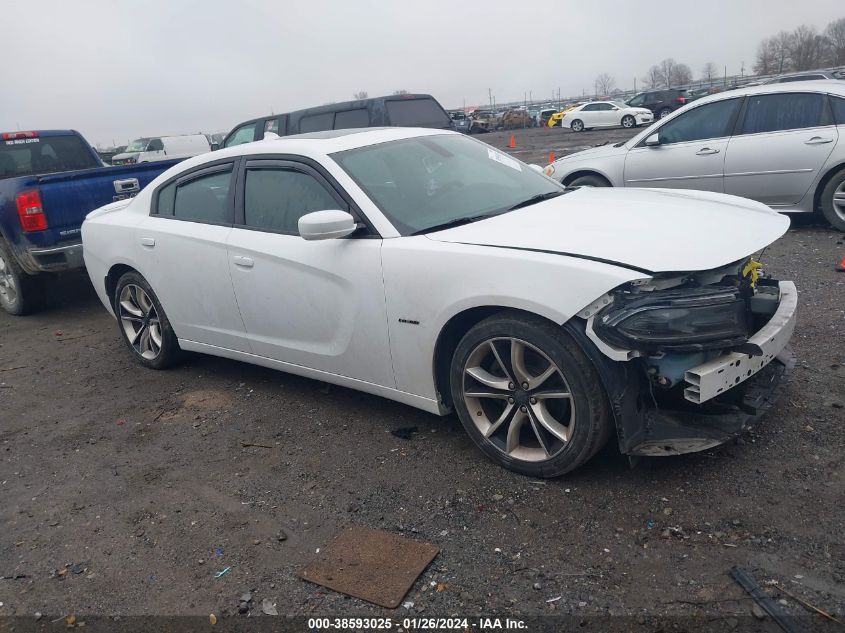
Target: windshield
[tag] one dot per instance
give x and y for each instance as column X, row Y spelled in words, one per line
column 138, row 145
column 424, row 182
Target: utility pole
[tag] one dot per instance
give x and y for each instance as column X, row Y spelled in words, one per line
column 635, row 85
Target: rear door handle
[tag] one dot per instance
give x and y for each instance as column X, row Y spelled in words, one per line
column 243, row 262
column 148, row 241
column 706, row 151
column 818, row 140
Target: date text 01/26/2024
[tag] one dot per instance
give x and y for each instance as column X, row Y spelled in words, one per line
column 417, row 624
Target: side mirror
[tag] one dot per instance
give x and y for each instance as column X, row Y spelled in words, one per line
column 215, row 147
column 326, row 225
column 653, row 140
column 536, row 168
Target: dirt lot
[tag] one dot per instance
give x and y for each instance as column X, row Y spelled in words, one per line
column 142, row 480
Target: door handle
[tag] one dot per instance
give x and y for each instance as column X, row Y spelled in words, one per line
column 148, row 241
column 243, row 262
column 706, row 151
column 818, row 140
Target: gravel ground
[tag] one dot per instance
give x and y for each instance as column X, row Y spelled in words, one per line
column 142, row 480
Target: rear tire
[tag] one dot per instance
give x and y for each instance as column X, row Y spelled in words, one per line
column 143, row 325
column 664, row 113
column 577, row 125
column 541, row 410
column 833, row 200
column 20, row 293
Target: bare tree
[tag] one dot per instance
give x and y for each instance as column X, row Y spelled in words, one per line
column 605, row 84
column 653, row 78
column 681, row 75
column 835, row 34
column 765, row 63
column 709, row 72
column 362, row 94
column 667, row 70
column 806, row 48
column 781, row 45
column 401, row 91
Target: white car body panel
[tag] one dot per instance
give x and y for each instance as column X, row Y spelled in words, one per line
column 780, row 169
column 367, row 313
column 606, row 118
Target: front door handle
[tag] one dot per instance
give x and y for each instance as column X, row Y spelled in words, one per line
column 148, row 242
column 243, row 262
column 706, row 151
column 818, row 140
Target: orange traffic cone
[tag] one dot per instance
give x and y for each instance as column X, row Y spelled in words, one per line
column 841, row 267
column 512, row 142
column 551, row 157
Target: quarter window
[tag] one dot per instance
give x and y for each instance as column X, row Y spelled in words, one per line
column 784, row 111
column 316, row 122
column 352, row 119
column 203, row 199
column 275, row 199
column 713, row 120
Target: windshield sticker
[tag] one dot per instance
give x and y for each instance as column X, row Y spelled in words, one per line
column 504, row 160
column 23, row 141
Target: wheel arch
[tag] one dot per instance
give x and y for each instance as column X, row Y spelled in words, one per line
column 817, row 195
column 585, row 172
column 451, row 334
column 113, row 275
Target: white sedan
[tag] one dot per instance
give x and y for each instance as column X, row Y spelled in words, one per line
column 605, row 114
column 427, row 267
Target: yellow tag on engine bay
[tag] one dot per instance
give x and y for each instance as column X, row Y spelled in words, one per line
column 752, row 271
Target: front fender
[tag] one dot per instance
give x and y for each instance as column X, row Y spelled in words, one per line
column 611, row 168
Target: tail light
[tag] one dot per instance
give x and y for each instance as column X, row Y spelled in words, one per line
column 681, row 99
column 30, row 211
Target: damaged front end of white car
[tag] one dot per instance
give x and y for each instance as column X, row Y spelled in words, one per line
column 690, row 361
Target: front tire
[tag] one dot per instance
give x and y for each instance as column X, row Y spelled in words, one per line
column 589, row 180
column 577, row 125
column 527, row 395
column 144, row 326
column 833, row 200
column 628, row 121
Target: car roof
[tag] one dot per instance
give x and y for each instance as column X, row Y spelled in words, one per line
column 832, row 86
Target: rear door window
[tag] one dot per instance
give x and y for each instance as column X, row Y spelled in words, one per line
column 44, row 155
column 416, row 113
column 783, row 111
column 713, row 120
column 203, row 197
column 316, row 122
column 352, row 119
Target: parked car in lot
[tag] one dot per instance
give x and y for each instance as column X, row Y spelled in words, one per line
column 460, row 121
column 430, row 268
column 483, row 121
column 555, row 119
column 49, row 181
column 781, row 144
column 410, row 110
column 597, row 114
column 813, row 76
column 145, row 150
column 662, row 103
column 514, row 119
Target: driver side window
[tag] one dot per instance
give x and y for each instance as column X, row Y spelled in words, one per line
column 713, row 120
column 155, row 145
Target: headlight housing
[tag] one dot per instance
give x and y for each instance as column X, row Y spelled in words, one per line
column 684, row 320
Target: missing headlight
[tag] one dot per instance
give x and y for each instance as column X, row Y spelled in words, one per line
column 682, row 320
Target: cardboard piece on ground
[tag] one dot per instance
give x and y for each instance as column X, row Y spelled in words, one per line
column 373, row 565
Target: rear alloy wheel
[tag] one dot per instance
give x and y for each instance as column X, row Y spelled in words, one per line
column 664, row 113
column 19, row 293
column 833, row 200
column 528, row 396
column 143, row 324
column 577, row 125
column 628, row 121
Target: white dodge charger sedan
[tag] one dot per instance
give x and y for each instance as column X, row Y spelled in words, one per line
column 427, row 267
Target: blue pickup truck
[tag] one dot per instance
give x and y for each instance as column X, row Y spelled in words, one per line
column 49, row 181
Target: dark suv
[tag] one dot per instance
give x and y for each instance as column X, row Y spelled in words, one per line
column 409, row 110
column 661, row 102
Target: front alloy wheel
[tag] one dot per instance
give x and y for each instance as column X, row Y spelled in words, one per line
column 577, row 126
column 528, row 396
column 522, row 402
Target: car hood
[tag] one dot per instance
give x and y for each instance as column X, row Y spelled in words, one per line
column 652, row 230
column 593, row 152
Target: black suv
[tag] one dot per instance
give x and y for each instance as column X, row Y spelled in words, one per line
column 410, row 110
column 660, row 102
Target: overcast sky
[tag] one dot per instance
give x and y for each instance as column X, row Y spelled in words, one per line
column 116, row 70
